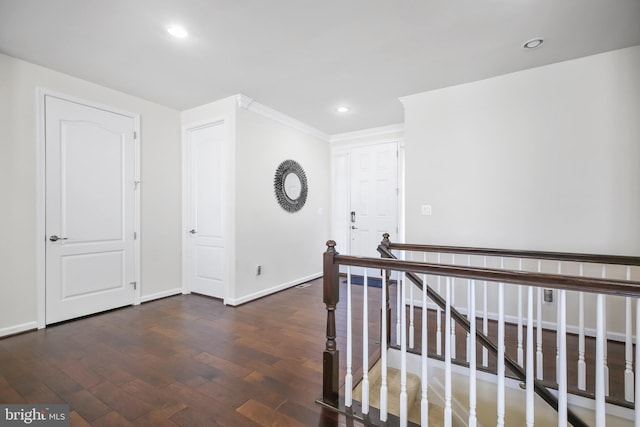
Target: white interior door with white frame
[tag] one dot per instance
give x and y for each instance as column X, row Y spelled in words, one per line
column 370, row 174
column 205, row 240
column 91, row 213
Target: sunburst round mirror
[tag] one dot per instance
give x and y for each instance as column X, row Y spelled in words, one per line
column 290, row 184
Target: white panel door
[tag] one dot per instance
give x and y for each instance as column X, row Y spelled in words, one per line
column 90, row 209
column 374, row 198
column 205, row 242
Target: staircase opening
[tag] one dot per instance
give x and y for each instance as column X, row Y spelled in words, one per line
column 518, row 361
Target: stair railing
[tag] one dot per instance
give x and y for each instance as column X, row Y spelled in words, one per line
column 600, row 265
column 410, row 271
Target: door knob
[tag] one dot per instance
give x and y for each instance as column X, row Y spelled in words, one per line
column 192, row 231
column 353, row 227
column 55, row 238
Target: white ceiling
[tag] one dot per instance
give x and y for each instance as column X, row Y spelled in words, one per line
column 303, row 57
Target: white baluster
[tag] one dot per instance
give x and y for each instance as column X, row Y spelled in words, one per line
column 520, row 348
column 470, row 313
column 439, row 321
column 399, row 307
column 557, row 332
column 637, row 408
column 383, row 352
column 606, row 338
column 485, row 319
column 365, row 345
column 403, row 359
column 530, row 370
column 628, row 349
column 600, row 376
column 348, row 379
column 453, row 304
column 447, row 357
column 582, row 365
column 501, row 369
column 472, row 355
column 539, row 359
column 467, row 346
column 562, row 366
column 424, row 401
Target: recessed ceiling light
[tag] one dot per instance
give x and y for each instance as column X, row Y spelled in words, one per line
column 342, row 109
column 533, row 43
column 177, row 31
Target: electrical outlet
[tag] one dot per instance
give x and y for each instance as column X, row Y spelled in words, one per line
column 258, row 270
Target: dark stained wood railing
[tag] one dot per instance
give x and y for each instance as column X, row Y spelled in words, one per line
column 552, row 281
column 332, row 261
column 513, row 253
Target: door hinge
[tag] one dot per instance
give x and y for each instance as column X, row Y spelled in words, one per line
column 135, row 235
column 135, row 135
column 135, row 185
column 135, row 285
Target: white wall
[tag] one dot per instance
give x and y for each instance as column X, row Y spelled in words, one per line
column 547, row 158
column 160, row 188
column 289, row 246
column 543, row 159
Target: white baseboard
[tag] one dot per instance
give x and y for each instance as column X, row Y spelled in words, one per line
column 163, row 294
column 265, row 292
column 16, row 329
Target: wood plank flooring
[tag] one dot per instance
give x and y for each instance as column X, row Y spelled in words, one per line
column 186, row 360
column 190, row 361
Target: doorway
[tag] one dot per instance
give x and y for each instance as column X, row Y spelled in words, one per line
column 366, row 198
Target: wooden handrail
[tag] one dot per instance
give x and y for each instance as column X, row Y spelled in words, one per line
column 511, row 253
column 549, row 281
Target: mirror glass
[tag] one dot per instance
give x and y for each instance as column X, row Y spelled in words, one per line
column 292, row 186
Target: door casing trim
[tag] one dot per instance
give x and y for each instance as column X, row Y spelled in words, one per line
column 41, row 185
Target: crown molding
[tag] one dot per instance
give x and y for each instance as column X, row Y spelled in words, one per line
column 368, row 133
column 251, row 104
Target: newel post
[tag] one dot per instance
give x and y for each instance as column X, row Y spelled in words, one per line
column 387, row 243
column 330, row 356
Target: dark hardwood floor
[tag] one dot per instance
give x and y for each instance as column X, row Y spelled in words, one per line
column 190, row 361
column 185, row 360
